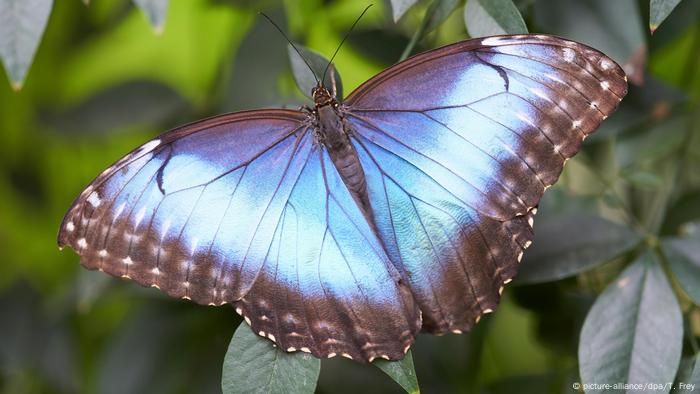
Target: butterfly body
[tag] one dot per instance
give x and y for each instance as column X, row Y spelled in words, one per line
column 333, row 133
column 346, row 229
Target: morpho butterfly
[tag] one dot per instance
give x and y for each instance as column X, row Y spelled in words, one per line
column 347, row 228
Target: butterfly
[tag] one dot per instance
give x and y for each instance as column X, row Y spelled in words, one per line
column 347, row 228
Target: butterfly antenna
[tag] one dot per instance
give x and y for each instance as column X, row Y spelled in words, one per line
column 293, row 46
column 341, row 42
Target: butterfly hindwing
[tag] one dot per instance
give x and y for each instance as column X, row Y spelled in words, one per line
column 459, row 144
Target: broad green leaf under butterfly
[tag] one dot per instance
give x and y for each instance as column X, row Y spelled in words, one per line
column 659, row 10
column 566, row 245
column 155, row 10
column 22, row 23
column 634, row 331
column 254, row 365
column 399, row 7
column 493, row 17
column 683, row 255
column 403, row 372
column 305, row 78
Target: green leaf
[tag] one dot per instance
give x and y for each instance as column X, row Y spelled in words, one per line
column 438, row 12
column 254, row 365
column 155, row 11
column 634, row 331
column 257, row 69
column 493, row 17
column 684, row 258
column 402, row 371
column 399, row 7
column 305, row 78
column 22, row 23
column 659, row 10
column 688, row 378
column 565, row 245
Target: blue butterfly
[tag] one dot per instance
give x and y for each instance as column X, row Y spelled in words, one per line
column 347, row 228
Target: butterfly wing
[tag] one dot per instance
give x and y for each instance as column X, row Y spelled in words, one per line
column 458, row 145
column 246, row 209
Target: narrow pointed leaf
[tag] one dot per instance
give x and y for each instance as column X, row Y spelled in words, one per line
column 634, row 331
column 22, row 23
column 684, row 258
column 566, row 245
column 493, row 17
column 155, row 11
column 438, row 11
column 305, row 78
column 403, row 372
column 659, row 10
column 399, row 7
column 254, row 365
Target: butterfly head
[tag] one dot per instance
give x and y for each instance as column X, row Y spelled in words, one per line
column 322, row 97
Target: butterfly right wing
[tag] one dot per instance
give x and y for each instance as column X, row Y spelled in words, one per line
column 458, row 145
column 246, row 209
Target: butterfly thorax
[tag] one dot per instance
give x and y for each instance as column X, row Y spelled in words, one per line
column 333, row 132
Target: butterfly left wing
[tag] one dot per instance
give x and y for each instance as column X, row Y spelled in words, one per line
column 458, row 144
column 247, row 209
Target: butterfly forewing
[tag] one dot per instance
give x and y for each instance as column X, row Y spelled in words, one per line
column 458, row 145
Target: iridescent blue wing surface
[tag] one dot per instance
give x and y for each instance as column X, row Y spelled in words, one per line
column 246, row 209
column 458, row 145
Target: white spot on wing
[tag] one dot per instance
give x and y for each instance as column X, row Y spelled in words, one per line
column 569, row 54
column 82, row 243
column 94, row 199
column 70, row 226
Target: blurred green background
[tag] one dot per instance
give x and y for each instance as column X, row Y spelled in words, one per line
column 103, row 82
